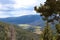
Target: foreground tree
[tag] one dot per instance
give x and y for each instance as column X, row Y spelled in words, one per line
column 58, row 31
column 50, row 11
column 47, row 33
column 47, row 10
column 57, row 18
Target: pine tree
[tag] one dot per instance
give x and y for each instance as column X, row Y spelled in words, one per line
column 58, row 31
column 46, row 11
column 50, row 12
column 47, row 33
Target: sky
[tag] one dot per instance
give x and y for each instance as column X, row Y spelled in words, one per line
column 15, row 8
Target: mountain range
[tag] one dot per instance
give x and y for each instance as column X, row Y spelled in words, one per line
column 7, row 29
column 35, row 20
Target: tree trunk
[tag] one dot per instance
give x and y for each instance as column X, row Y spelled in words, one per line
column 47, row 34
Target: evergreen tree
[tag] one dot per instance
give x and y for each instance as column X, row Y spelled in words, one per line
column 46, row 11
column 50, row 12
column 47, row 33
column 57, row 18
column 58, row 31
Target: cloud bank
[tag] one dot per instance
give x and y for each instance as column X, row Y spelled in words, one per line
column 15, row 8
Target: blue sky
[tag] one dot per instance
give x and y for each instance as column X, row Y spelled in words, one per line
column 15, row 8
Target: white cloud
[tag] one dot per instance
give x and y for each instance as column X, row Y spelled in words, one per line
column 23, row 12
column 16, row 11
column 2, row 15
column 25, row 3
column 0, row 6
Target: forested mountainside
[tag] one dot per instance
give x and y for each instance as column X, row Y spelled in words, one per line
column 13, row 32
column 27, row 19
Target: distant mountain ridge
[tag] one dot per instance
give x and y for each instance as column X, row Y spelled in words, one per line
column 27, row 19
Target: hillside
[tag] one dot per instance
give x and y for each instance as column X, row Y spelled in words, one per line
column 13, row 32
column 34, row 29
